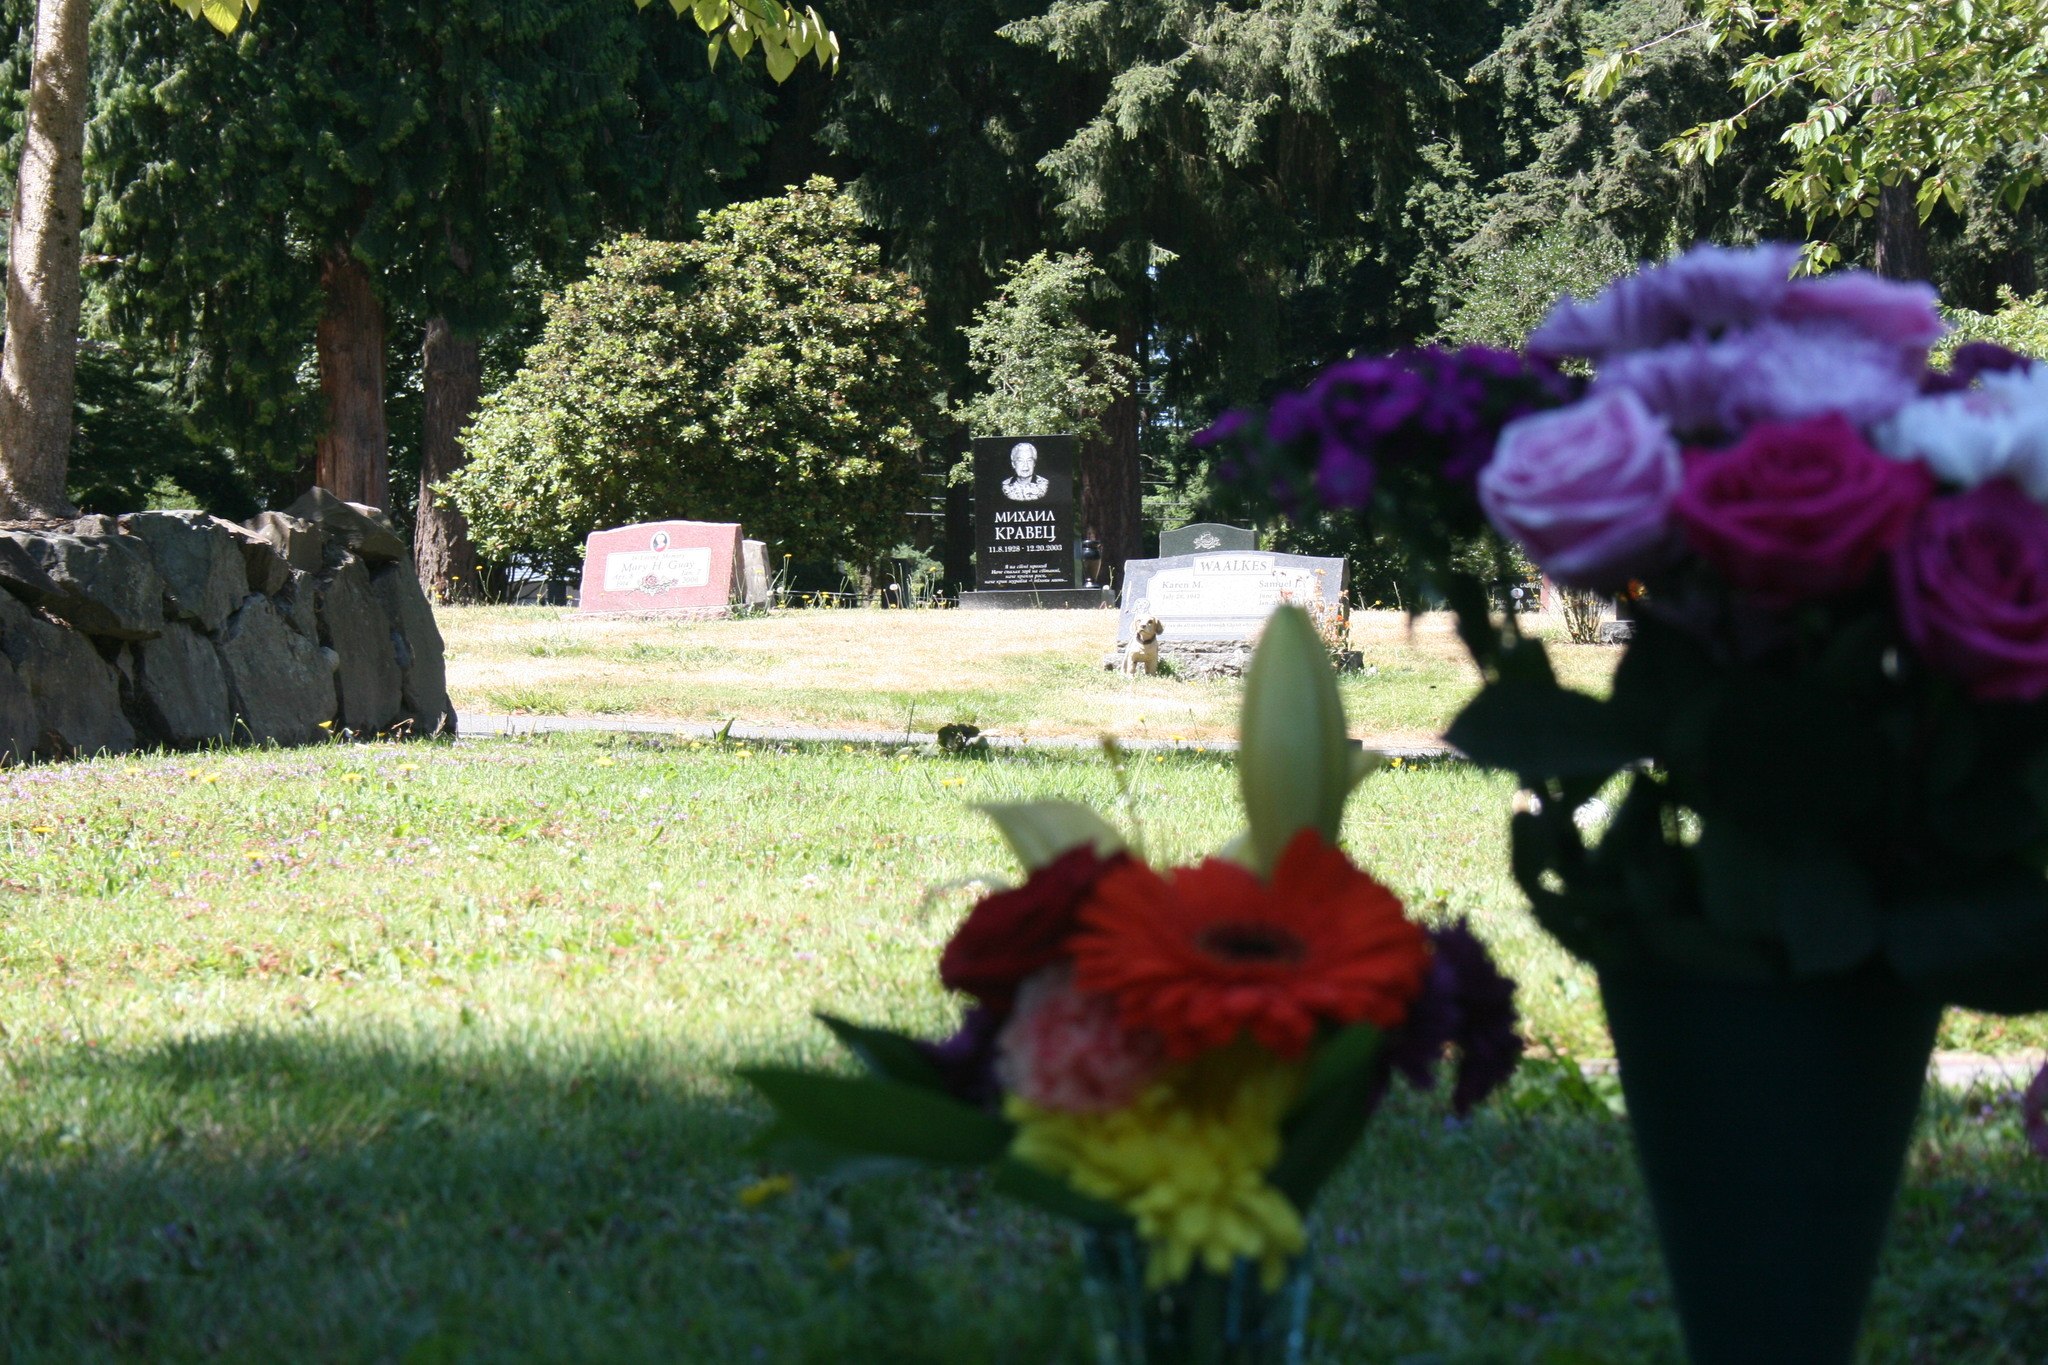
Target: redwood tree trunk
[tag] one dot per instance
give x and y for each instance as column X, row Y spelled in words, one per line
column 39, row 372
column 452, row 369
column 1901, row 241
column 352, row 459
column 1112, row 494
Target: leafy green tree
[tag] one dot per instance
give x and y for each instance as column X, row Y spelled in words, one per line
column 1907, row 104
column 402, row 162
column 771, row 372
column 1044, row 369
column 1504, row 290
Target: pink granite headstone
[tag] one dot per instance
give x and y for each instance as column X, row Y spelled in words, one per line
column 683, row 566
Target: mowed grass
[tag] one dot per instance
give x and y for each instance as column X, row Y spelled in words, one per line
column 421, row 1053
column 1032, row 674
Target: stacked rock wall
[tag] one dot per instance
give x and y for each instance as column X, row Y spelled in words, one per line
column 181, row 629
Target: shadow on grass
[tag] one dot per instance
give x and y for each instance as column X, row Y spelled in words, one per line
column 303, row 1196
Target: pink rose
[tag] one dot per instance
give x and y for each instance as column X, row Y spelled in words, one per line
column 1065, row 1050
column 1586, row 489
column 1798, row 511
column 1972, row 580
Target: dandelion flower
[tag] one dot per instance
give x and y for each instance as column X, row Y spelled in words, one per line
column 766, row 1189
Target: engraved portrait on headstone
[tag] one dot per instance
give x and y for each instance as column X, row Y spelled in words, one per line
column 1027, row 484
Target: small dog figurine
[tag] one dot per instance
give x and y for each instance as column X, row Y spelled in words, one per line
column 1141, row 655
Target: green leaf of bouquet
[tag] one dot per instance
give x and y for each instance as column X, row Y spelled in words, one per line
column 881, row 1117
column 1981, row 943
column 1319, row 1134
column 1040, row 831
column 1294, row 765
column 892, row 1056
column 1029, row 1185
column 1342, row 1055
column 1540, row 731
column 804, row 1156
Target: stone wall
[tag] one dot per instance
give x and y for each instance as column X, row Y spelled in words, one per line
column 182, row 630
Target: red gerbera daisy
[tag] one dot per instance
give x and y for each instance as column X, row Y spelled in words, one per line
column 1206, row 953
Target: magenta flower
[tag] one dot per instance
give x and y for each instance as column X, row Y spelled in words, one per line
column 1587, row 489
column 1972, row 584
column 1797, row 512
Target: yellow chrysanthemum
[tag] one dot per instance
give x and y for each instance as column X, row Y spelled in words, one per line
column 1187, row 1160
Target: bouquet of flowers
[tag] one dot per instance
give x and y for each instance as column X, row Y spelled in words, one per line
column 1829, row 734
column 1178, row 1059
column 1840, row 565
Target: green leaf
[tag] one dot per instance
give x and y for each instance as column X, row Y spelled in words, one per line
column 1294, row 763
column 1040, row 831
column 1338, row 1059
column 880, row 1117
column 891, row 1056
column 779, row 59
column 1542, row 731
column 1029, row 1185
column 1981, row 943
column 825, row 1163
column 1320, row 1133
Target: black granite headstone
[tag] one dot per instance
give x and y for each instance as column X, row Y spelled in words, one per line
column 1023, row 513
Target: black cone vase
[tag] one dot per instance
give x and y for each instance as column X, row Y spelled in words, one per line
column 1771, row 1124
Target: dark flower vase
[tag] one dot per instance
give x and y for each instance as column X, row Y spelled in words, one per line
column 1206, row 1319
column 1771, row 1124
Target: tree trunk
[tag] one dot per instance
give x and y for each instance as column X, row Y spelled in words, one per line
column 1112, row 494
column 1901, row 241
column 39, row 372
column 453, row 379
column 352, row 459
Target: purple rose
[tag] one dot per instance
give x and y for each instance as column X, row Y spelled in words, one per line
column 1773, row 373
column 1586, row 489
column 1972, row 579
column 1798, row 511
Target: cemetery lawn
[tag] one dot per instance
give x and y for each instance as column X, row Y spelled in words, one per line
column 419, row 1053
column 1030, row 674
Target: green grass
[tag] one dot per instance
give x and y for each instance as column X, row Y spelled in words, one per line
column 419, row 1053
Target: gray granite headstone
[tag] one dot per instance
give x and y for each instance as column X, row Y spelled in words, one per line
column 1205, row 537
column 754, row 572
column 1223, row 595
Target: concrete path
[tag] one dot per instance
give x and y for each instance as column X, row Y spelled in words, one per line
column 483, row 723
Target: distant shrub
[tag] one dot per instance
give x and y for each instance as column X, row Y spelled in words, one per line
column 2019, row 324
column 770, row 373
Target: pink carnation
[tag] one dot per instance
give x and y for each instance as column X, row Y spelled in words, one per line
column 1065, row 1050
